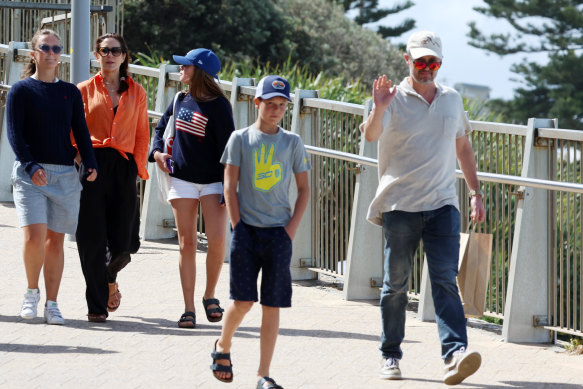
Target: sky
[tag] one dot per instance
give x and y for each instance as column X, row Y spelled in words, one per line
column 463, row 63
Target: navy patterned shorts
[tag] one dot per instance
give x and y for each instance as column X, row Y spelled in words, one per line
column 269, row 250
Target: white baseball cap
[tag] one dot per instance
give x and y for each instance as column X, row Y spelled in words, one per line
column 424, row 43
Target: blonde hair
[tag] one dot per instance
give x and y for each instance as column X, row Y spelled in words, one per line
column 30, row 68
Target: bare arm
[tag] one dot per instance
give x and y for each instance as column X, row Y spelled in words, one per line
column 231, row 180
column 160, row 159
column 382, row 96
column 466, row 159
column 301, row 204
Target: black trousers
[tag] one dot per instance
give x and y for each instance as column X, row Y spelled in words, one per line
column 107, row 232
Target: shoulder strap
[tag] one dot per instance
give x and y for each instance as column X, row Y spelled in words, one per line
column 173, row 129
column 175, row 100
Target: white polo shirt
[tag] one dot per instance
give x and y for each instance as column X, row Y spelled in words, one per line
column 417, row 152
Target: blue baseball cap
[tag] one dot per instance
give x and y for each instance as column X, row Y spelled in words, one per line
column 202, row 58
column 273, row 86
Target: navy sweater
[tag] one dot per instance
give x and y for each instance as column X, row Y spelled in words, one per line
column 40, row 116
column 202, row 131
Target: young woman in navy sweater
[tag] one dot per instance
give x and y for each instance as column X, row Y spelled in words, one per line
column 204, row 122
column 41, row 111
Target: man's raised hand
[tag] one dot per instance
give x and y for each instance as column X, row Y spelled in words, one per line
column 382, row 93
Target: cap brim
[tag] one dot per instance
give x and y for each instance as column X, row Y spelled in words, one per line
column 180, row 60
column 268, row 96
column 422, row 52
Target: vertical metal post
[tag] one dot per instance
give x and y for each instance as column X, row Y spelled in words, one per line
column 14, row 67
column 365, row 252
column 527, row 293
column 111, row 24
column 79, row 41
column 302, row 121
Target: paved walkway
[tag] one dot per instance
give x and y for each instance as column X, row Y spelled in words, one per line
column 324, row 342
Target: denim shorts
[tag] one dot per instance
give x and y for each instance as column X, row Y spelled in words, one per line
column 269, row 250
column 56, row 204
column 180, row 189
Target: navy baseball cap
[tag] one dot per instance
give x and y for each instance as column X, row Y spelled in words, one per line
column 273, row 86
column 202, row 58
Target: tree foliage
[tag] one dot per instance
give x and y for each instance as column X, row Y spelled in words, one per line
column 231, row 28
column 324, row 39
column 313, row 33
column 553, row 90
column 369, row 12
column 555, row 25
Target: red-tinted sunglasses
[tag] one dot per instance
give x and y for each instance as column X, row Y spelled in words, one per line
column 420, row 65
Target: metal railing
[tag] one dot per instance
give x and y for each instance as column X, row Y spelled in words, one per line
column 19, row 20
column 499, row 149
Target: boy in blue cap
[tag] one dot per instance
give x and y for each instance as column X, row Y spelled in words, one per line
column 261, row 159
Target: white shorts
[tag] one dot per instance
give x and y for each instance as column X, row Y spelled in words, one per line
column 180, row 189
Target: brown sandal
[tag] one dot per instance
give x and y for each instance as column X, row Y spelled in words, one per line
column 114, row 297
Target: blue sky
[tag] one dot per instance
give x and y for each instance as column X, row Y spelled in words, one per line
column 462, row 62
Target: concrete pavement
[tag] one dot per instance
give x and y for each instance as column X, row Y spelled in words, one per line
column 324, row 342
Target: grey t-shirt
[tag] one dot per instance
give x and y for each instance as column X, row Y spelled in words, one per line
column 266, row 166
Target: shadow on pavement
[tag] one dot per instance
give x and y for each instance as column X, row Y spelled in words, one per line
column 553, row 385
column 51, row 349
column 158, row 326
column 506, row 384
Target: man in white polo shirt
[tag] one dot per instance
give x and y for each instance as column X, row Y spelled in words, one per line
column 421, row 128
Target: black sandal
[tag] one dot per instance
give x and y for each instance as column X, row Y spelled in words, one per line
column 216, row 367
column 187, row 320
column 271, row 384
column 210, row 311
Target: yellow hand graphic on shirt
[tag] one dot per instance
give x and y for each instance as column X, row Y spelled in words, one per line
column 266, row 173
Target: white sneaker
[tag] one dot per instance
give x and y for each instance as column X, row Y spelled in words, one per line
column 461, row 365
column 52, row 313
column 30, row 303
column 390, row 369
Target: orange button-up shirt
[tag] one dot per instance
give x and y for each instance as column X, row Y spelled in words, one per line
column 128, row 130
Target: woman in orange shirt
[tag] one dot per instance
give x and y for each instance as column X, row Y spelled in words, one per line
column 116, row 111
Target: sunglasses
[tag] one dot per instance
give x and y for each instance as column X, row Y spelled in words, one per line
column 115, row 51
column 420, row 65
column 47, row 49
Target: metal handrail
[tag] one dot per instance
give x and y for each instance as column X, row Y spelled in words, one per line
column 342, row 155
column 482, row 176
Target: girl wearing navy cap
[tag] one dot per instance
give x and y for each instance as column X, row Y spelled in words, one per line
column 204, row 122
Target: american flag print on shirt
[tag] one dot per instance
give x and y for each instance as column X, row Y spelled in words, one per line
column 191, row 122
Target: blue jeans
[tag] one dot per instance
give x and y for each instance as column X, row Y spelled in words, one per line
column 440, row 231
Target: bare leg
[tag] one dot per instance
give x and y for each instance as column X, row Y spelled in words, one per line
column 185, row 213
column 233, row 317
column 215, row 219
column 54, row 263
column 268, row 334
column 33, row 252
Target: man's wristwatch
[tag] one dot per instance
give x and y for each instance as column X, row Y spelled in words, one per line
column 476, row 193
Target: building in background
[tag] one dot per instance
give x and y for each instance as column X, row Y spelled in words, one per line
column 473, row 91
